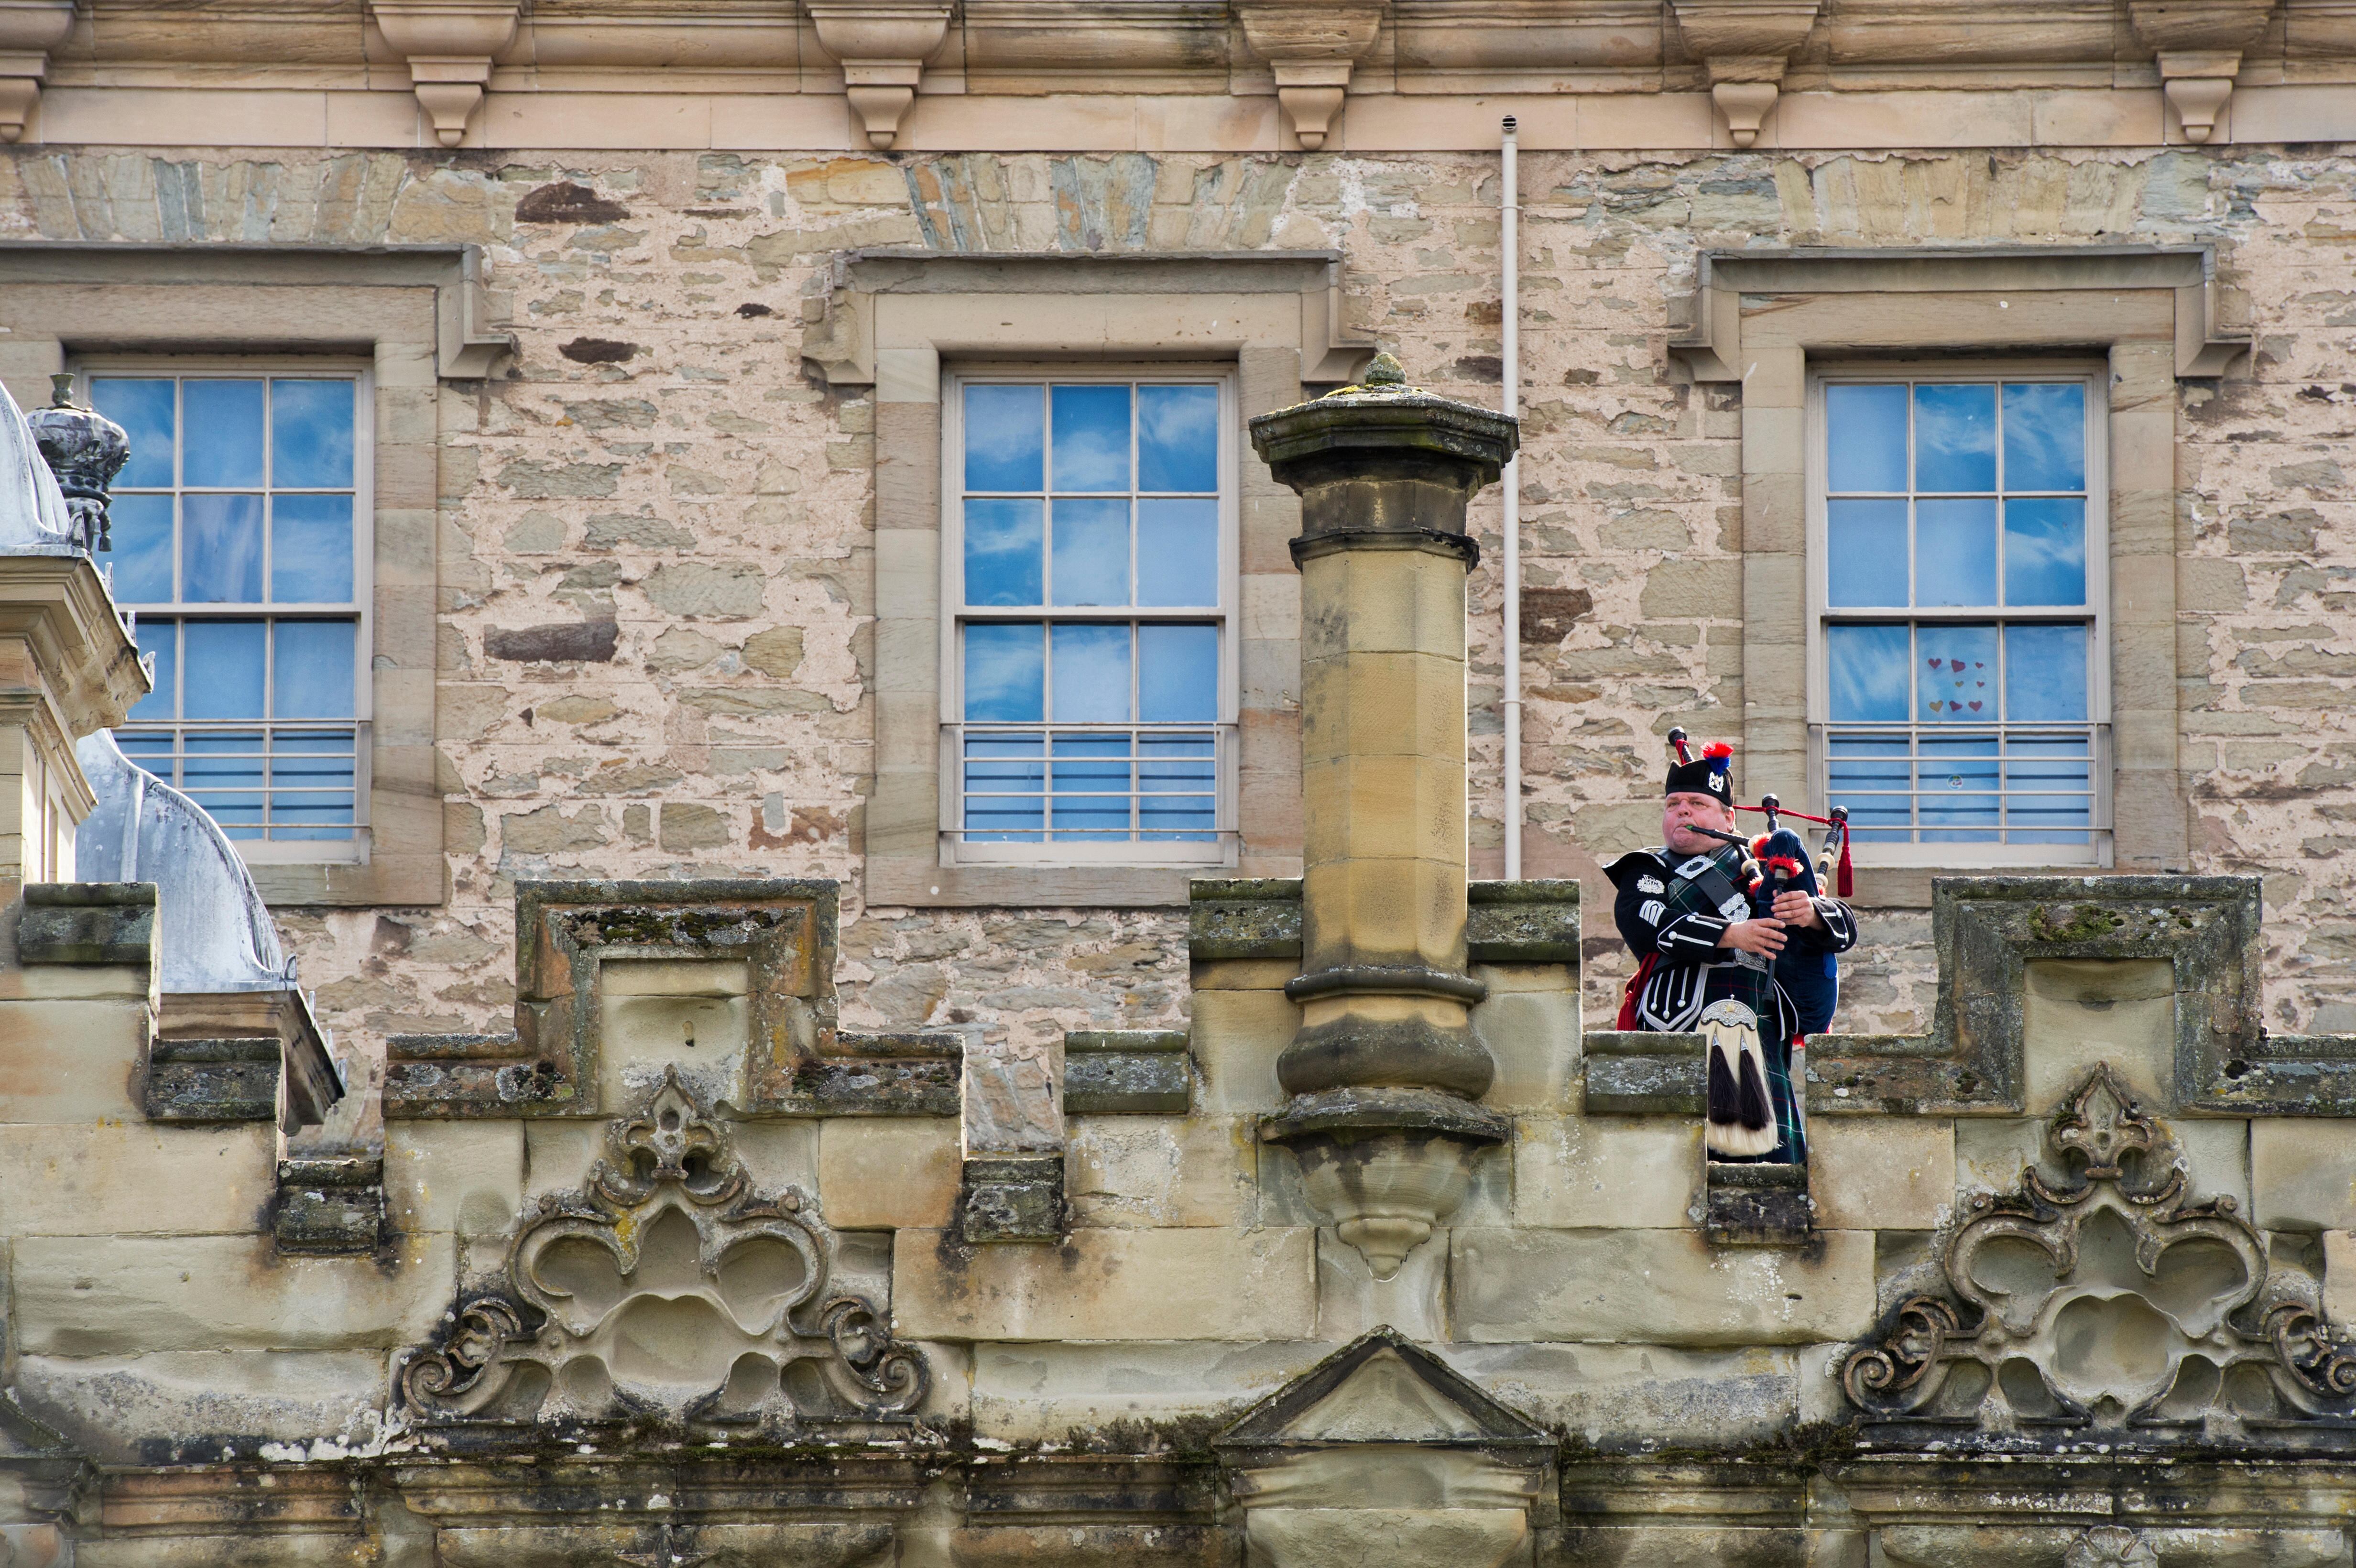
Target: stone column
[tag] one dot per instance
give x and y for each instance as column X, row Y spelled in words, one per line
column 1385, row 1068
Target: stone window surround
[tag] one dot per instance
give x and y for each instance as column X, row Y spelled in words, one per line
column 412, row 313
column 1761, row 318
column 893, row 320
column 2094, row 376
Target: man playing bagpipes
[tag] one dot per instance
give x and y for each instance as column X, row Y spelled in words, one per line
column 1734, row 939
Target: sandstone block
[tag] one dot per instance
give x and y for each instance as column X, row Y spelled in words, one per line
column 1162, row 1171
column 1192, row 1284
column 1661, row 1287
column 1237, row 1038
column 1607, row 1171
column 1881, row 1173
column 2081, row 1011
column 2303, row 1174
column 887, row 1172
column 132, row 1178
column 71, row 1061
column 463, row 1176
column 1031, row 1392
column 325, row 1395
column 99, row 1296
column 1604, row 1393
column 1530, row 1024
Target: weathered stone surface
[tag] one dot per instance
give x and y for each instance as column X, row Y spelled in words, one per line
column 333, row 1399
column 887, row 1173
column 588, row 642
column 125, row 1178
column 1624, row 1395
column 1524, row 921
column 199, row 1081
column 1191, row 1283
column 1162, row 1170
column 99, row 1296
column 327, row 1206
column 1529, row 1022
column 1757, row 1205
column 466, row 1178
column 1010, row 1198
column 1237, row 1038
column 1636, row 1073
column 71, row 1061
column 1659, row 1288
column 1244, row 919
column 1029, row 1392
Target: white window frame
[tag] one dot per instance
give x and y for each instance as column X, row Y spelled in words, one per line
column 2095, row 376
column 294, row 851
column 1220, row 849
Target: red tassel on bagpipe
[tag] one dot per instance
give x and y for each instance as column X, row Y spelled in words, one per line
column 1844, row 884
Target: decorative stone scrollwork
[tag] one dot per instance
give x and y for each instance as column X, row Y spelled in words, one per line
column 667, row 1289
column 2115, row 1303
column 2110, row 1546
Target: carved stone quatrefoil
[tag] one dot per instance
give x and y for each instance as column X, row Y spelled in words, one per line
column 667, row 1288
column 2114, row 1302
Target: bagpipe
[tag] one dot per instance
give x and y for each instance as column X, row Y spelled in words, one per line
column 1777, row 861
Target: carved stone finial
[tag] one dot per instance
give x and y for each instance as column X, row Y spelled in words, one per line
column 1385, row 371
column 85, row 450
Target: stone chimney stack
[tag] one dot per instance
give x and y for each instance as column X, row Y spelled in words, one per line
column 1385, row 1071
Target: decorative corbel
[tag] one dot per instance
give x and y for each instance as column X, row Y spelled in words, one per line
column 1745, row 45
column 883, row 48
column 1310, row 49
column 448, row 44
column 29, row 29
column 2198, row 44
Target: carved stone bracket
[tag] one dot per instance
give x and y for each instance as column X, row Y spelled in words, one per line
column 2198, row 44
column 449, row 45
column 29, row 29
column 883, row 47
column 1310, row 49
column 1745, row 45
column 2113, row 1302
column 667, row 1288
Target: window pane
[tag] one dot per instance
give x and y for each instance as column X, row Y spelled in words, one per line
column 1178, row 673
column 1006, row 672
column 1092, row 675
column 2048, row 790
column 223, row 771
column 311, row 435
column 141, row 526
column 220, row 549
column 1958, row 780
column 1178, row 777
column 2045, row 437
column 1873, row 777
column 311, row 549
column 1865, row 666
column 1955, row 438
column 1003, row 539
column 1954, row 553
column 1005, row 437
column 2045, row 552
column 1178, row 551
column 1956, row 675
column 1092, row 429
column 2044, row 672
column 224, row 670
column 224, row 445
column 161, row 638
column 311, row 669
column 1178, row 437
column 1865, row 438
column 1091, row 552
column 1864, row 552
column 1092, row 787
column 143, row 410
column 1005, row 780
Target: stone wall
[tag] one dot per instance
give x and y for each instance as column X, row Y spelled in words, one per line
column 658, row 457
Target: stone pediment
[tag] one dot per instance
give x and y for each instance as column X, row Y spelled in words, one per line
column 1381, row 1389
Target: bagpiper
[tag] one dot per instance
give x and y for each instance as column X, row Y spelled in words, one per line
column 1734, row 939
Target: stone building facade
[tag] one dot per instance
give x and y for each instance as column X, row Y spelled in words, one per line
column 655, row 328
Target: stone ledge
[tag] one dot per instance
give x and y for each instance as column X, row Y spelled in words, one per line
column 1534, row 920
column 1525, row 921
column 1012, row 1198
column 902, row 1074
column 202, row 1080
column 1633, row 1073
column 1748, row 1205
column 327, row 1206
column 86, row 922
column 1127, row 1073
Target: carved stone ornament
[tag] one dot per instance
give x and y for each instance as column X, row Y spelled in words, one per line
column 2117, row 1303
column 85, row 450
column 667, row 1289
column 2110, row 1546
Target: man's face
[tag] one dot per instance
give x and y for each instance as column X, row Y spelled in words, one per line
column 1681, row 813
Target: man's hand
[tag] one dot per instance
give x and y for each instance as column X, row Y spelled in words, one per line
column 1793, row 907
column 1764, row 937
